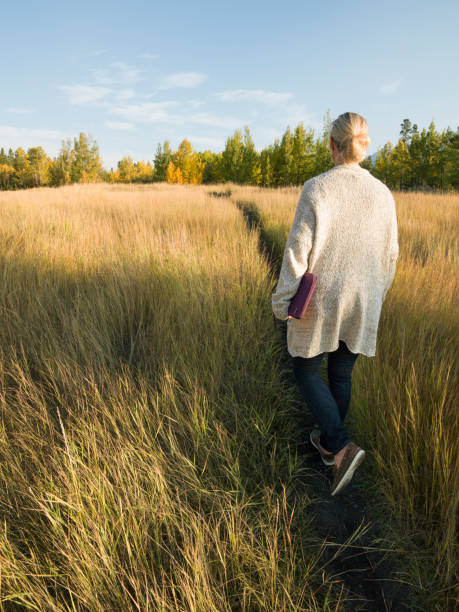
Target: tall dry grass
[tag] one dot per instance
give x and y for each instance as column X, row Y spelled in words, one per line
column 404, row 406
column 145, row 458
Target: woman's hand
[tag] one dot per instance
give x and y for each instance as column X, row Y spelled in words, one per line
column 275, row 320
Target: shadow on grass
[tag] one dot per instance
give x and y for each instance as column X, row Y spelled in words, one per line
column 118, row 351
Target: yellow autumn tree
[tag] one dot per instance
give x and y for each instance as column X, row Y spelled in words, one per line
column 6, row 172
column 145, row 172
column 173, row 174
column 113, row 176
column 127, row 172
column 187, row 160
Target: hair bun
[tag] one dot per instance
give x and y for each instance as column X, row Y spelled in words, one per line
column 350, row 133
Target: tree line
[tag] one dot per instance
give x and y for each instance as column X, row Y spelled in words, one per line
column 426, row 159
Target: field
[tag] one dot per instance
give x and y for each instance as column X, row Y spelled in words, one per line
column 149, row 444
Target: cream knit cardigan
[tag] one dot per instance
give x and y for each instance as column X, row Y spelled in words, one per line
column 345, row 231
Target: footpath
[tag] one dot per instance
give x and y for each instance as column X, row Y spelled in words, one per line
column 350, row 536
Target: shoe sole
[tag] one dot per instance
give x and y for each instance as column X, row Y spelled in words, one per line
column 359, row 457
column 327, row 462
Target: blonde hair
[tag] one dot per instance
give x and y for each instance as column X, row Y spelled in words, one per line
column 350, row 134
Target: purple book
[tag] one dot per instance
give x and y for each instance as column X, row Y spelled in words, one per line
column 302, row 297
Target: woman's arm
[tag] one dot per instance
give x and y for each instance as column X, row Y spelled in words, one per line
column 297, row 249
column 393, row 249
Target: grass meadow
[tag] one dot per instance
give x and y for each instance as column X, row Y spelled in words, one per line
column 145, row 453
column 147, row 450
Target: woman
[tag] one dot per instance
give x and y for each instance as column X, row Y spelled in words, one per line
column 345, row 232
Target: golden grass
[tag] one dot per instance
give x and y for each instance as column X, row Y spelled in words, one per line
column 404, row 406
column 145, row 456
column 145, row 429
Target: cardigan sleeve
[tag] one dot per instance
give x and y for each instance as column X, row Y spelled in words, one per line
column 296, row 254
column 393, row 249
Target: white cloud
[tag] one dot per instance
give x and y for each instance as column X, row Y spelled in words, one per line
column 182, row 79
column 102, row 77
column 390, row 88
column 120, row 125
column 204, row 118
column 84, row 94
column 194, row 103
column 149, row 56
column 279, row 117
column 19, row 111
column 173, row 112
column 15, row 137
column 149, row 112
column 125, row 94
column 270, row 108
column 126, row 74
column 118, row 73
column 118, row 77
column 254, row 95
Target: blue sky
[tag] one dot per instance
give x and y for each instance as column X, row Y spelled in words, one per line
column 135, row 73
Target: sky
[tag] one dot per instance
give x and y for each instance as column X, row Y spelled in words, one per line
column 133, row 74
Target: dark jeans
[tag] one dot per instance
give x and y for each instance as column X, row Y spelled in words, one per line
column 328, row 405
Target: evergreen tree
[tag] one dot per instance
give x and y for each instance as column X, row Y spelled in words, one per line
column 39, row 166
column 303, row 155
column 382, row 169
column 405, row 130
column 327, row 126
column 323, row 160
column 212, row 163
column 250, row 169
column 444, row 156
column 86, row 164
column 452, row 168
column 161, row 162
column 266, row 171
column 276, row 160
column 21, row 166
column 61, row 168
column 367, row 163
column 415, row 149
column 401, row 164
column 285, row 164
column 232, row 159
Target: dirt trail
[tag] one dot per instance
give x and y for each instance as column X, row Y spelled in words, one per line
column 368, row 574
